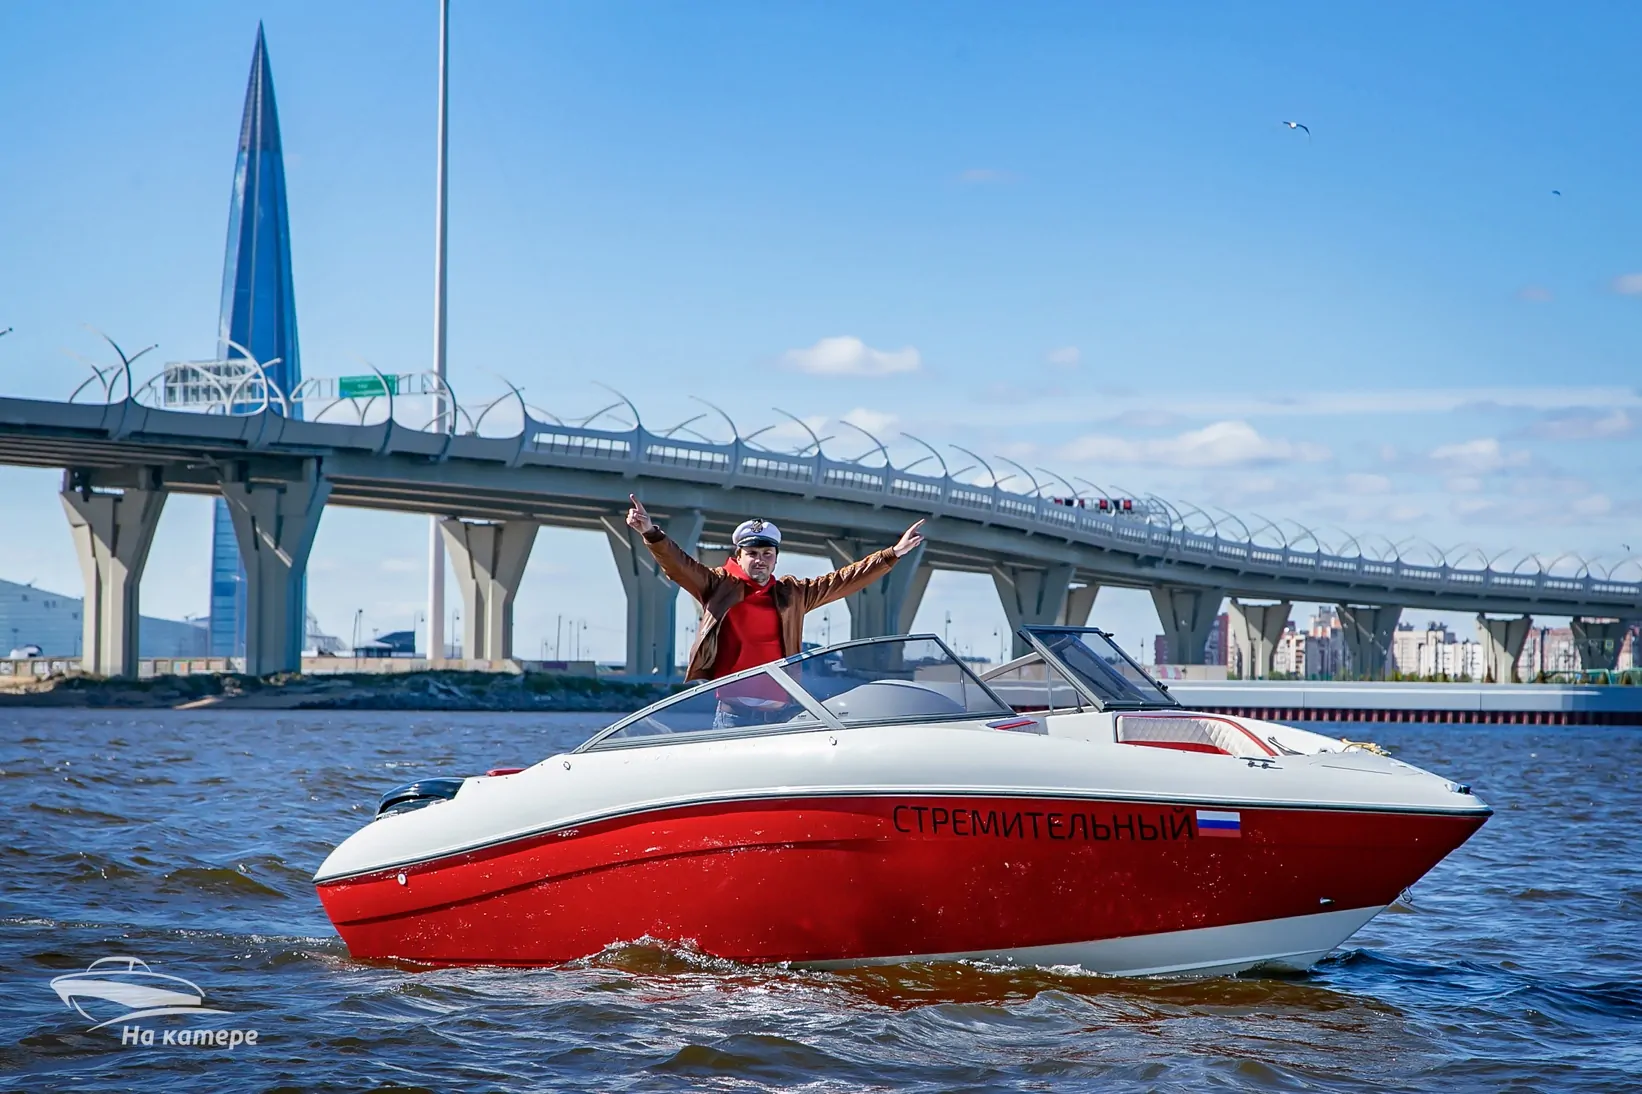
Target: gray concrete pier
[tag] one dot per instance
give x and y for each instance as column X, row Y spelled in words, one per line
column 112, row 534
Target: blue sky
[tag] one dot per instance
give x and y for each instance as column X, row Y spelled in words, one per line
column 1076, row 235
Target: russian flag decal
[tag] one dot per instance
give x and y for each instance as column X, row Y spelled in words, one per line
column 1219, row 824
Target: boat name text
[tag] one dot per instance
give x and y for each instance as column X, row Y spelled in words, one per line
column 1178, row 824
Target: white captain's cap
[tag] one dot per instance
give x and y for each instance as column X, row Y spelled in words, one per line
column 756, row 533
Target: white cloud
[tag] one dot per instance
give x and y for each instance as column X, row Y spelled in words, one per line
column 1478, row 456
column 1405, row 513
column 1066, row 356
column 1628, row 284
column 1462, row 484
column 873, row 421
column 1357, row 483
column 1593, row 506
column 1584, row 425
column 847, row 355
column 1221, row 444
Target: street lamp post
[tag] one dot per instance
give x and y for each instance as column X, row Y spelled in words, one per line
column 436, row 546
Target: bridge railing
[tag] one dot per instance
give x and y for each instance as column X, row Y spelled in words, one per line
column 1155, row 528
column 815, row 473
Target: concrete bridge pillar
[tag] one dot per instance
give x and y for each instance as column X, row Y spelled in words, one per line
column 1032, row 597
column 112, row 534
column 889, row 605
column 1080, row 601
column 275, row 522
column 652, row 600
column 714, row 557
column 489, row 560
column 1187, row 614
column 1502, row 641
column 1254, row 630
column 1598, row 641
column 1368, row 635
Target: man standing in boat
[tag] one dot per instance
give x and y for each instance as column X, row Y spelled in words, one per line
column 748, row 615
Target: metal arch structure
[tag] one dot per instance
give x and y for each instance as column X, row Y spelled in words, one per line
column 945, row 472
column 556, row 470
column 877, row 444
column 108, row 376
column 1037, row 488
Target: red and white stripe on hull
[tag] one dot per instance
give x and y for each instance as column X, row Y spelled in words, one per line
column 1116, row 886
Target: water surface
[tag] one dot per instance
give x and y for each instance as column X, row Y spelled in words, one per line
column 188, row 839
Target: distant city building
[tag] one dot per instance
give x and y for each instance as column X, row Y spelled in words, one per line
column 1315, row 653
column 1216, row 651
column 258, row 313
column 30, row 616
column 1548, row 649
column 1434, row 652
column 1408, row 647
column 1452, row 660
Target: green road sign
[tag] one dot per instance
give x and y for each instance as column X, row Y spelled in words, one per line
column 363, row 387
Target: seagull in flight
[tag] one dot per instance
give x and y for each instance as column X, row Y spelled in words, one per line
column 1297, row 125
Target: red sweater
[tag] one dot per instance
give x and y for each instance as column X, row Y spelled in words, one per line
column 751, row 632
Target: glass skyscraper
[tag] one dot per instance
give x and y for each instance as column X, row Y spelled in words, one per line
column 258, row 313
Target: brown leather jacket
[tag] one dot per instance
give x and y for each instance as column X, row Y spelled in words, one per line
column 794, row 597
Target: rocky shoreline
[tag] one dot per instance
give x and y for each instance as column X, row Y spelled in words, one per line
column 434, row 690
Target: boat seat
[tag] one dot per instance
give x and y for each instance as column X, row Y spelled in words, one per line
column 884, row 700
column 1190, row 733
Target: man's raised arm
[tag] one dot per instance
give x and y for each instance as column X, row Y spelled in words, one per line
column 677, row 563
column 858, row 575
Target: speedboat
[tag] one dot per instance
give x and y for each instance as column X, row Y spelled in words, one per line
column 876, row 801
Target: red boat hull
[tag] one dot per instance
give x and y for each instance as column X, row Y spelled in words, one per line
column 860, row 878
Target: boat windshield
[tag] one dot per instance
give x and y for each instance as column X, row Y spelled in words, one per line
column 913, row 679
column 874, row 681
column 1099, row 668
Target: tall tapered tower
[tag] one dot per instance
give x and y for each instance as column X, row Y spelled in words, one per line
column 258, row 312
